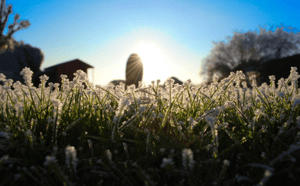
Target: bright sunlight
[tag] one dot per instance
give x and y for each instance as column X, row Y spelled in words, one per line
column 154, row 63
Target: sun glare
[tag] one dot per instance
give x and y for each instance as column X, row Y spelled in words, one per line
column 154, row 63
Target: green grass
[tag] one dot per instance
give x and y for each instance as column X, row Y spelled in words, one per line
column 222, row 134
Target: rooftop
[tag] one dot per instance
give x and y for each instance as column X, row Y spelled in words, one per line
column 74, row 60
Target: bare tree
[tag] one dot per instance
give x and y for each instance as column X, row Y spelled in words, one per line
column 6, row 41
column 243, row 48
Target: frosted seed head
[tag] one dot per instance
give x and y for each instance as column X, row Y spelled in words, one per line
column 179, row 128
column 268, row 173
column 70, row 152
column 272, row 78
column 210, row 120
column 63, row 76
column 187, row 158
column 108, row 155
column 2, row 77
column 44, row 78
column 49, row 159
column 26, row 72
column 167, row 163
column 240, row 75
column 225, row 124
column 226, row 163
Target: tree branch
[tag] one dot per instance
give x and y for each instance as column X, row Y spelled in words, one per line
column 6, row 14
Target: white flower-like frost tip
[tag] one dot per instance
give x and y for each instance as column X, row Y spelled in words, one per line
column 226, row 163
column 170, row 81
column 187, row 157
column 210, row 120
column 71, row 153
column 26, row 72
column 166, row 162
column 63, row 76
column 49, row 159
column 2, row 77
column 108, row 155
column 44, row 78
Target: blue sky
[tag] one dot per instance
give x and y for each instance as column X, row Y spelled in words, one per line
column 105, row 33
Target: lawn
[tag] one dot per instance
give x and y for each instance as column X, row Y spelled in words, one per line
column 222, row 134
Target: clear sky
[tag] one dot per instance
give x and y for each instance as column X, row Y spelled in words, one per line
column 172, row 37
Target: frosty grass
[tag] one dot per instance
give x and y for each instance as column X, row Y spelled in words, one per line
column 222, row 134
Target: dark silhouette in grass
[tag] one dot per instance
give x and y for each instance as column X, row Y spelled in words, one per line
column 177, row 81
column 281, row 68
column 117, row 82
column 134, row 70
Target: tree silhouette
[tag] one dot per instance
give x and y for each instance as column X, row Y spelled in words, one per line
column 14, row 56
column 249, row 47
column 6, row 41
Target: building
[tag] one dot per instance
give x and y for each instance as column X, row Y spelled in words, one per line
column 68, row 68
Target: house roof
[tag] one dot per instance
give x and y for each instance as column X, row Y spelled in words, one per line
column 72, row 61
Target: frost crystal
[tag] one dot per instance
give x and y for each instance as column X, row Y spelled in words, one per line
column 71, row 156
column 166, row 162
column 187, row 158
column 226, row 163
column 49, row 159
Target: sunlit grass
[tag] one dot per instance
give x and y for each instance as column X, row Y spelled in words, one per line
column 222, row 134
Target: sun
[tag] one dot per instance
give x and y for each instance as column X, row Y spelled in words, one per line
column 154, row 62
